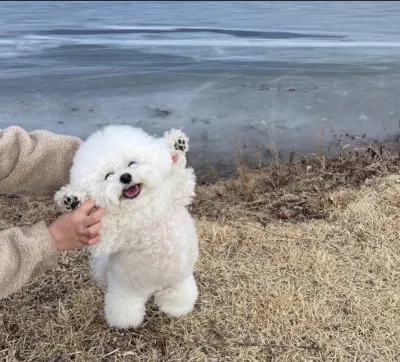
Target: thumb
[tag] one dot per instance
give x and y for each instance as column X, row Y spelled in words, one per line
column 87, row 206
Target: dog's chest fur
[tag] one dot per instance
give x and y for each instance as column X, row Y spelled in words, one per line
column 150, row 241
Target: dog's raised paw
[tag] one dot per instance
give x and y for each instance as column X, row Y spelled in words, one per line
column 180, row 144
column 71, row 202
column 68, row 198
column 177, row 140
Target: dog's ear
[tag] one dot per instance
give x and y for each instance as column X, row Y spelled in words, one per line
column 178, row 144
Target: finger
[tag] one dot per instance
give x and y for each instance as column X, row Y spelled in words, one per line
column 94, row 218
column 87, row 207
column 175, row 157
column 92, row 211
column 93, row 241
column 92, row 230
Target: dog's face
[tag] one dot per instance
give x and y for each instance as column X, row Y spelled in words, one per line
column 121, row 164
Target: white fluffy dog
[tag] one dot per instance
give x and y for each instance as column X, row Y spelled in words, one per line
column 148, row 242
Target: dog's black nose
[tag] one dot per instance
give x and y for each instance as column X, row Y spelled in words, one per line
column 126, row 178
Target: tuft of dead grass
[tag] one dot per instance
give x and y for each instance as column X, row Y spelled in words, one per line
column 321, row 286
column 304, row 187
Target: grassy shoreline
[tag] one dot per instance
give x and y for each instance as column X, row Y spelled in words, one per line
column 299, row 261
column 326, row 144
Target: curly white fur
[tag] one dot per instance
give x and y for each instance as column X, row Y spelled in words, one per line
column 148, row 244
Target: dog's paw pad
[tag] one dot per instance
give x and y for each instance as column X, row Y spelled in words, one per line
column 177, row 141
column 180, row 144
column 71, row 202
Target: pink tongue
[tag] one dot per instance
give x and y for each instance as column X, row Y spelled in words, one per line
column 131, row 191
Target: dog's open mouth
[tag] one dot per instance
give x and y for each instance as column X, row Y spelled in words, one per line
column 132, row 191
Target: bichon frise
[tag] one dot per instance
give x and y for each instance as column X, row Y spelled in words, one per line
column 148, row 243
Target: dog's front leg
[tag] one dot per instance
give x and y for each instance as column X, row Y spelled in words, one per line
column 185, row 181
column 69, row 198
column 99, row 268
column 178, row 144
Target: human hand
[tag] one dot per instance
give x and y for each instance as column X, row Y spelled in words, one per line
column 77, row 228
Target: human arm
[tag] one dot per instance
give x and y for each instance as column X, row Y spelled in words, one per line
column 23, row 249
column 35, row 163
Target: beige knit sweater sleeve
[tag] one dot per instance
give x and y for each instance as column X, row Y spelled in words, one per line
column 24, row 251
column 38, row 164
column 35, row 163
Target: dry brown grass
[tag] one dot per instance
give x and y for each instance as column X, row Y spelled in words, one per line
column 260, row 194
column 319, row 286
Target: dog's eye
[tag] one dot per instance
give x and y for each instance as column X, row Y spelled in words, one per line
column 108, row 175
column 132, row 163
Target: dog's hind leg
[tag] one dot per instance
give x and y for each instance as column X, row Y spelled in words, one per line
column 179, row 299
column 123, row 307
